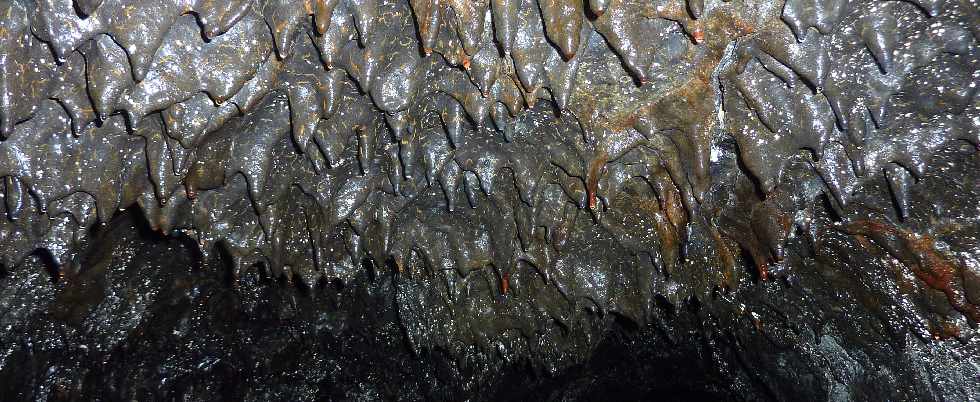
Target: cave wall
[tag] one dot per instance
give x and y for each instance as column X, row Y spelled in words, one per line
column 786, row 190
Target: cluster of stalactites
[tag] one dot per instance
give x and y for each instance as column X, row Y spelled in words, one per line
column 312, row 135
column 203, row 91
column 868, row 90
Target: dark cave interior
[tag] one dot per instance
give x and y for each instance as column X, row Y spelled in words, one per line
column 557, row 200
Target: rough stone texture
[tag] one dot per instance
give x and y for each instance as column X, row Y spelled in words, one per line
column 506, row 199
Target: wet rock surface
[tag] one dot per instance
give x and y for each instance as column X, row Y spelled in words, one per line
column 507, row 199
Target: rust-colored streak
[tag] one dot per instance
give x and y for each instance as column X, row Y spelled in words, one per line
column 698, row 36
column 944, row 330
column 673, row 204
column 592, row 177
column 764, row 272
column 667, row 233
column 919, row 254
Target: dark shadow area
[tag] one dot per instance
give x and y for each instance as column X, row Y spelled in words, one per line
column 145, row 318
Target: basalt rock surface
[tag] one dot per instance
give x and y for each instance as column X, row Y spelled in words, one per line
column 490, row 200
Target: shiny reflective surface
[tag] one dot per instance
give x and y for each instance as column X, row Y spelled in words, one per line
column 790, row 186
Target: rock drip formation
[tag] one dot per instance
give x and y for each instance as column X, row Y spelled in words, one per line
column 774, row 177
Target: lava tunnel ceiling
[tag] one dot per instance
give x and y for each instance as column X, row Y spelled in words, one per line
column 525, row 169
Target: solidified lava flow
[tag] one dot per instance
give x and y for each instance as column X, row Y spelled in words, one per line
column 489, row 199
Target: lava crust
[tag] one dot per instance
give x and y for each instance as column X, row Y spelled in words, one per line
column 785, row 189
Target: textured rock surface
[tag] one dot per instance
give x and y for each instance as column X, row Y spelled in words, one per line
column 503, row 199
